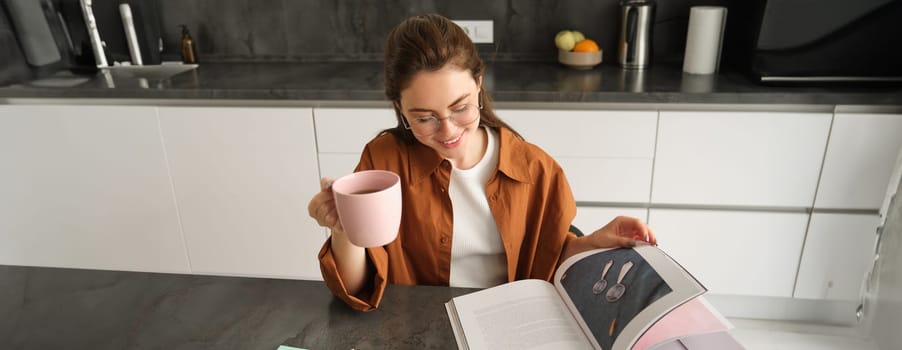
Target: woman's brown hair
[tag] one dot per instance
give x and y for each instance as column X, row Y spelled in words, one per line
column 428, row 43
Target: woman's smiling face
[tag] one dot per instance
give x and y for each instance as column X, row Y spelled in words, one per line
column 440, row 94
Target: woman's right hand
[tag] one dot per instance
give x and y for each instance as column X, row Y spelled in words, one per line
column 322, row 207
column 349, row 259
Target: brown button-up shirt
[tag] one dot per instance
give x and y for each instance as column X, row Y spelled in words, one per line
column 528, row 195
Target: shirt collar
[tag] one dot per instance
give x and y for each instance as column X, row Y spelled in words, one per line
column 512, row 158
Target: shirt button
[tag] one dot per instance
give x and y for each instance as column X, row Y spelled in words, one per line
column 442, row 189
column 444, row 240
column 494, row 197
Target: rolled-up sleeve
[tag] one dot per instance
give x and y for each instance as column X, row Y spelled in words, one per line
column 371, row 295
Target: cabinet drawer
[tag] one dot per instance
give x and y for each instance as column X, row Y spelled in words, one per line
column 607, row 155
column 859, row 160
column 609, row 180
column 739, row 158
column 734, row 252
column 336, row 165
column 587, row 134
column 347, row 130
column 839, row 249
column 589, row 219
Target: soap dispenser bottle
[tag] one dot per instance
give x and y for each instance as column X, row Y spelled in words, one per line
column 189, row 54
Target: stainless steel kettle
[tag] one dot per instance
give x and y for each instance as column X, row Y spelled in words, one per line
column 637, row 20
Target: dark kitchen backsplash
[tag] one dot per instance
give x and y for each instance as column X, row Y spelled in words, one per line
column 13, row 67
column 289, row 30
column 343, row 30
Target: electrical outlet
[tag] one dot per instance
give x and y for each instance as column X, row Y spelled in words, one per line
column 481, row 32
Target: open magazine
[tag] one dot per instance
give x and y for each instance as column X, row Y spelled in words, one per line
column 614, row 299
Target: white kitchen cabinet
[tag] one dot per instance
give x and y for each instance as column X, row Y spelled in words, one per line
column 739, row 158
column 589, row 219
column 243, row 178
column 734, row 252
column 341, row 134
column 86, row 187
column 608, row 180
column 839, row 249
column 335, row 165
column 606, row 155
column 859, row 161
column 347, row 130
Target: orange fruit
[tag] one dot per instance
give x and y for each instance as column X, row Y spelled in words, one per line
column 586, row 45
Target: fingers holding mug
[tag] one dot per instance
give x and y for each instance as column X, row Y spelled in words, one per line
column 330, row 218
column 322, row 206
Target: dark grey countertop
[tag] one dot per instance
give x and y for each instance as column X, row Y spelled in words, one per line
column 53, row 308
column 508, row 82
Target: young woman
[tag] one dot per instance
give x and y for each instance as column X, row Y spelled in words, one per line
column 481, row 206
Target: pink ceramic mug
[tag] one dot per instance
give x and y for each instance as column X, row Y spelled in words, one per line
column 369, row 206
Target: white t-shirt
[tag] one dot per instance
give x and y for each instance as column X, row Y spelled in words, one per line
column 477, row 252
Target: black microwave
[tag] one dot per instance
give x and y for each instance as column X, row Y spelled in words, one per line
column 778, row 41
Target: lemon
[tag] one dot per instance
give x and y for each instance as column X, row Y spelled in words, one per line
column 565, row 40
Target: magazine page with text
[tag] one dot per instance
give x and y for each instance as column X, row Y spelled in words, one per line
column 524, row 314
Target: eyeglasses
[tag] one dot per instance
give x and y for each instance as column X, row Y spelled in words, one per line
column 427, row 125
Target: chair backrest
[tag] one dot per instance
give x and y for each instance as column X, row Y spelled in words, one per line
column 576, row 231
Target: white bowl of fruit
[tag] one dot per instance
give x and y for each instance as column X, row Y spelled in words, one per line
column 576, row 51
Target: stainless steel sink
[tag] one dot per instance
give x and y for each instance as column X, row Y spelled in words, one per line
column 150, row 72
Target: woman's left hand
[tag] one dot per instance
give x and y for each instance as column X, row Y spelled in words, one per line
column 623, row 231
